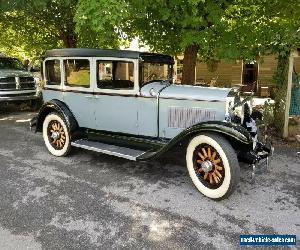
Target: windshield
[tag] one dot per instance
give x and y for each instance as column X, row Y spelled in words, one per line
column 11, row 63
column 156, row 71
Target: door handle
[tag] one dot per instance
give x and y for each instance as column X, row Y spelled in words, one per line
column 89, row 96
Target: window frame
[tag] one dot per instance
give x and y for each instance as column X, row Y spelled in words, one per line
column 77, row 88
column 52, row 86
column 133, row 91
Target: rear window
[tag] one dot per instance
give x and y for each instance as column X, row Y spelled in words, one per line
column 53, row 73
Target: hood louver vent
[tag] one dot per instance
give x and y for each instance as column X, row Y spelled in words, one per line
column 180, row 117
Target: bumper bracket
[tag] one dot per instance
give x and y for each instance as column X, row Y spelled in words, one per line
column 264, row 157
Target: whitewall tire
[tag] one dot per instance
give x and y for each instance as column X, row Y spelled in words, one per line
column 212, row 165
column 56, row 135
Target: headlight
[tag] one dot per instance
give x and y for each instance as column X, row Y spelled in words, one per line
column 237, row 108
column 238, row 114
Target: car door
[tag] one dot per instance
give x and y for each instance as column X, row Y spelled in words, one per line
column 116, row 89
column 78, row 90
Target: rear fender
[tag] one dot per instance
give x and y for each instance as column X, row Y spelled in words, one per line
column 62, row 109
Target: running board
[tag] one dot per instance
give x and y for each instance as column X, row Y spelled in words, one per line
column 123, row 152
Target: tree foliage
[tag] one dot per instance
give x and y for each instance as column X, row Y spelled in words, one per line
column 104, row 18
column 34, row 26
column 260, row 27
column 171, row 27
column 26, row 33
column 211, row 30
column 206, row 29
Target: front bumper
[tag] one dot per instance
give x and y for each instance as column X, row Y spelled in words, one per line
column 20, row 97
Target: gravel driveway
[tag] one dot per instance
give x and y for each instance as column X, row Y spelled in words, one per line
column 93, row 201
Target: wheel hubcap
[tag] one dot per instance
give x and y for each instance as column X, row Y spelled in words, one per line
column 208, row 166
column 56, row 135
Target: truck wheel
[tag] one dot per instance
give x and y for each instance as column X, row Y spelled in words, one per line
column 56, row 135
column 213, row 166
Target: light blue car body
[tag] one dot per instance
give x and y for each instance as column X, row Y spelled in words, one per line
column 159, row 109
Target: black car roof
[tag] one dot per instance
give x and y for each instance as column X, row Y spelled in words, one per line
column 87, row 52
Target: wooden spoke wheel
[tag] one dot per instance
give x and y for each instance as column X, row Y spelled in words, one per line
column 56, row 135
column 213, row 166
column 208, row 166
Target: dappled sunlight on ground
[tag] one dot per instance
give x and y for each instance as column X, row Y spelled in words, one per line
column 27, row 120
column 18, row 117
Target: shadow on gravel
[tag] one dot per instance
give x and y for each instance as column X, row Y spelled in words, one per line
column 10, row 108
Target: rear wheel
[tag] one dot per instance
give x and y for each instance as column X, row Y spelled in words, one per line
column 56, row 135
column 213, row 166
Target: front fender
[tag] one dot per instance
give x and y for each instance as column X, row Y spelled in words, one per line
column 232, row 130
column 62, row 109
column 237, row 135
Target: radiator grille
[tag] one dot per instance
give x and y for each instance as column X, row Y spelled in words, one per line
column 17, row 83
column 7, row 79
column 7, row 86
column 180, row 117
column 26, row 79
column 27, row 85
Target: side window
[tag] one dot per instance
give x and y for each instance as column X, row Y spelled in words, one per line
column 115, row 75
column 77, row 72
column 53, row 73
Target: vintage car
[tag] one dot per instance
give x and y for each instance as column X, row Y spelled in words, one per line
column 123, row 103
column 16, row 83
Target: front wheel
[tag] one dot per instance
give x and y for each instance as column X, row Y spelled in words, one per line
column 212, row 165
column 56, row 135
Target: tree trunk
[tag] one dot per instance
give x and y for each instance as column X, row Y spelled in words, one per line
column 281, row 79
column 189, row 64
column 69, row 39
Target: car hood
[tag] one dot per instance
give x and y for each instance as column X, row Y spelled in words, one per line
column 186, row 92
column 13, row 73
